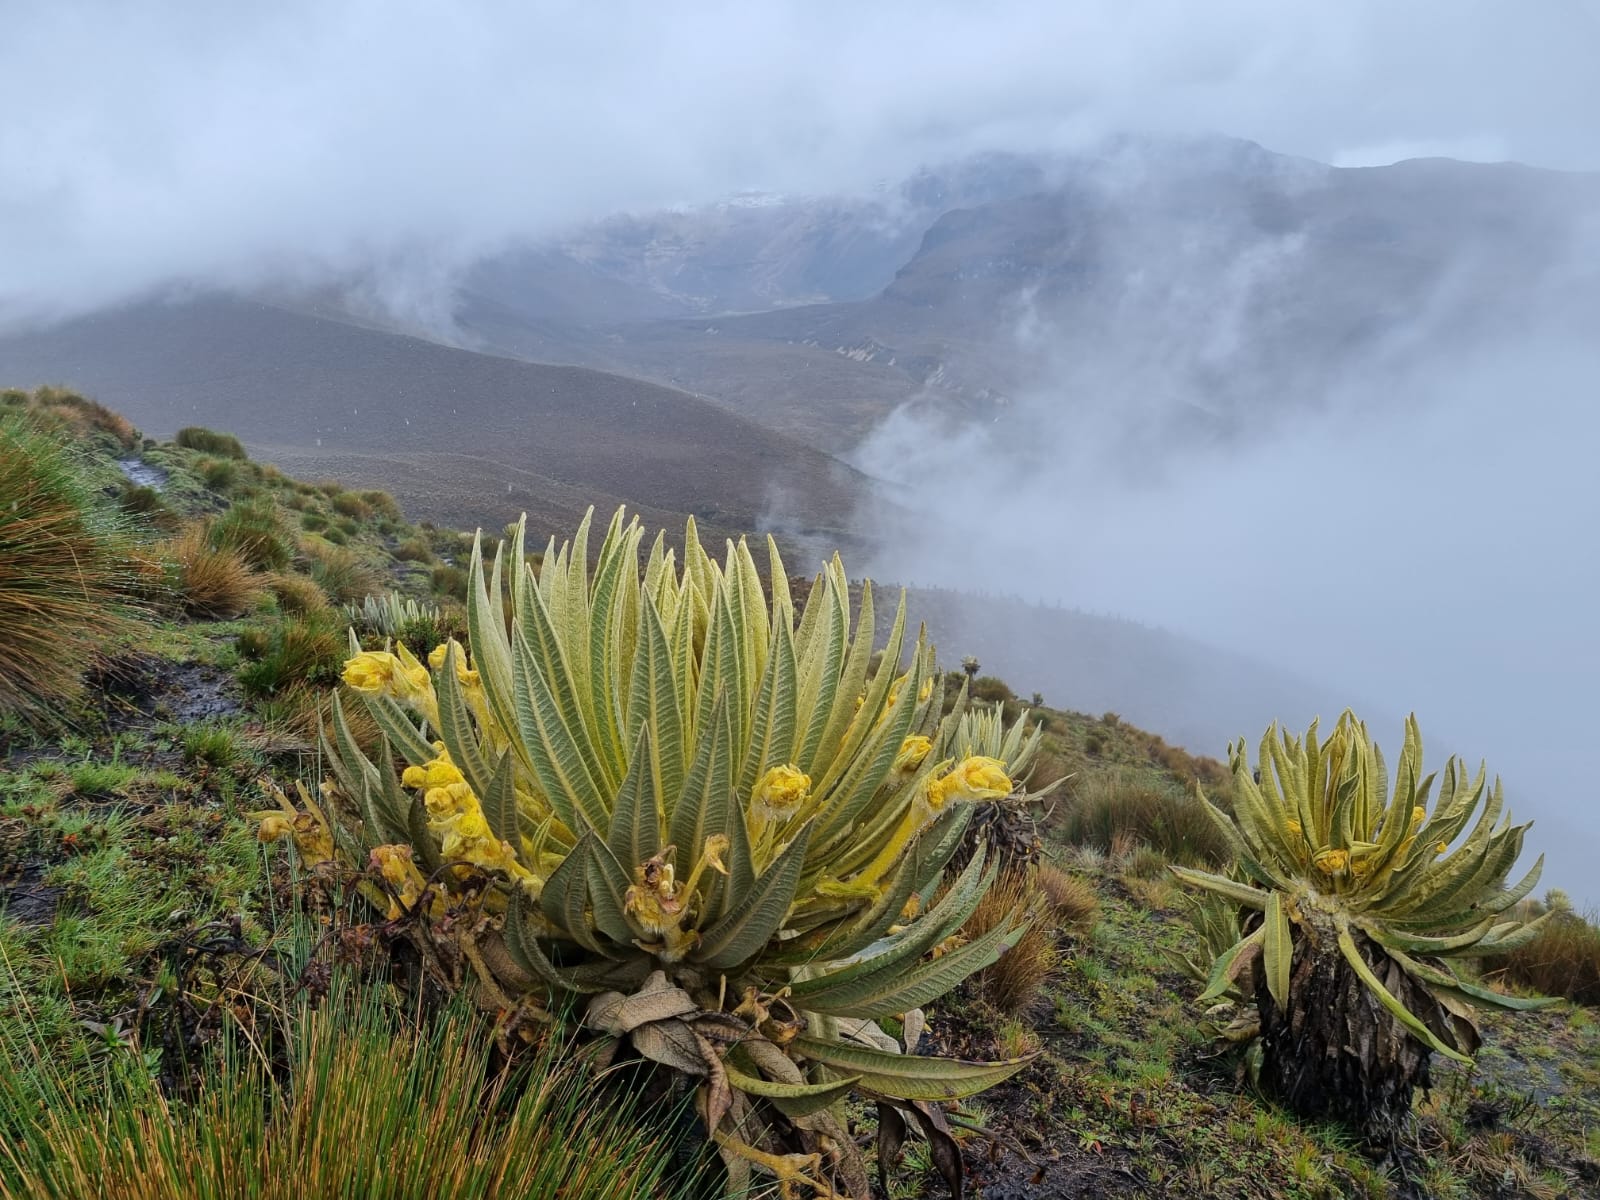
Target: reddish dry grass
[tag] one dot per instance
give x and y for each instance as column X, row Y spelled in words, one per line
column 1013, row 981
column 1073, row 901
column 211, row 583
column 63, row 582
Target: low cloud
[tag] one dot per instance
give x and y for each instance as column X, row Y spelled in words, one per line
column 309, row 142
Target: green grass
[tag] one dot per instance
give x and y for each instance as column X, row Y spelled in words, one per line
column 307, row 649
column 1117, row 809
column 208, row 441
column 255, row 530
column 366, row 1099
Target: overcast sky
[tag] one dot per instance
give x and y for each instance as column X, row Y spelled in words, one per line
column 164, row 142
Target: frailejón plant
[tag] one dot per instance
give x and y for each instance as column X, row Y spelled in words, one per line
column 1357, row 897
column 657, row 799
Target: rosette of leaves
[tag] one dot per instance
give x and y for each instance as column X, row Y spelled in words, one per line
column 654, row 799
column 1358, row 896
column 1004, row 826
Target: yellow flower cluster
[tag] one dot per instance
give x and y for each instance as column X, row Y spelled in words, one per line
column 913, row 752
column 312, row 840
column 437, row 657
column 377, row 672
column 782, row 789
column 1332, row 862
column 455, row 814
column 974, row 778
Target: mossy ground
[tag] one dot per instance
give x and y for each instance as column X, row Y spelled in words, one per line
column 128, row 854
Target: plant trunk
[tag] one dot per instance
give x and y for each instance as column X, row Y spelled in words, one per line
column 1334, row 1051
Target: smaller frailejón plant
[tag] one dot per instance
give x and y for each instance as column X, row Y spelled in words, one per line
column 655, row 799
column 1356, row 896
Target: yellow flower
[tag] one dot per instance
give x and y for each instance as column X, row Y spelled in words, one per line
column 1440, row 848
column 274, row 827
column 373, row 671
column 1332, row 862
column 414, row 777
column 925, row 690
column 912, row 753
column 1418, row 815
column 1295, row 827
column 782, row 788
column 379, row 673
column 438, row 655
column 977, row 778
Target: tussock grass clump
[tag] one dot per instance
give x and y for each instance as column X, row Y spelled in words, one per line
column 414, row 549
column 1106, row 806
column 211, row 583
column 143, row 502
column 382, row 503
column 209, row 441
column 348, row 504
column 255, row 529
column 297, row 594
column 219, row 474
column 63, row 581
column 1072, row 898
column 450, row 582
column 293, row 651
column 440, row 1124
column 65, row 412
column 1563, row 959
column 341, row 573
column 1012, row 982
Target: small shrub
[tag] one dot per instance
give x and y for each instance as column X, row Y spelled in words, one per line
column 383, row 504
column 349, row 526
column 341, row 573
column 336, row 536
column 208, row 441
column 1012, row 982
column 329, row 487
column 211, row 583
column 296, row 650
column 1562, row 960
column 987, row 687
column 144, row 502
column 450, row 582
column 297, row 594
column 256, row 531
column 214, row 745
column 348, row 504
column 66, row 412
column 414, row 549
column 219, row 474
column 63, row 581
column 315, row 522
column 1146, row 862
column 1072, row 899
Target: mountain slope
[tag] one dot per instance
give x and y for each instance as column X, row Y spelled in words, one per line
column 1209, row 279
column 459, row 437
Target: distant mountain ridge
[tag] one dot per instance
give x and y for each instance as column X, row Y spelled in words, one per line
column 1213, row 277
column 459, row 437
